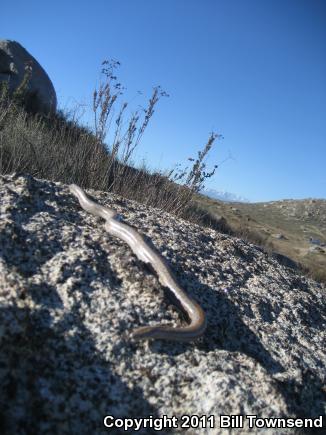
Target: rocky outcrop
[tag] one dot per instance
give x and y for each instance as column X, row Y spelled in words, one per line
column 70, row 292
column 14, row 60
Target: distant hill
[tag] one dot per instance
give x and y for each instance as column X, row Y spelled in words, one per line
column 295, row 229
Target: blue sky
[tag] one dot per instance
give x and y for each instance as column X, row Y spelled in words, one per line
column 251, row 70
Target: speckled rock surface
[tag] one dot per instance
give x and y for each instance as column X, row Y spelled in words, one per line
column 70, row 292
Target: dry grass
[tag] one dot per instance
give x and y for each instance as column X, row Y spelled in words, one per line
column 58, row 148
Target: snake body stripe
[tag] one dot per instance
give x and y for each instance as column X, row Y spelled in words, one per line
column 149, row 255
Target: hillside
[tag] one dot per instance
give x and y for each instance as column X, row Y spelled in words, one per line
column 293, row 228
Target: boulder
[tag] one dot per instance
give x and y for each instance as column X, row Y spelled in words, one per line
column 278, row 236
column 70, row 293
column 14, row 61
column 316, row 249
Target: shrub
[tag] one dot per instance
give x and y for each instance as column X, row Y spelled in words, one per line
column 58, row 148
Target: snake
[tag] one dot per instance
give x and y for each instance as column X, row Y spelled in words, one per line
column 147, row 253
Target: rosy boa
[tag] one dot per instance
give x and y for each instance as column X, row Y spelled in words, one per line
column 196, row 316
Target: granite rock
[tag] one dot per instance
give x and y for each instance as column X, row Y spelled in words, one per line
column 70, row 293
column 14, row 59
